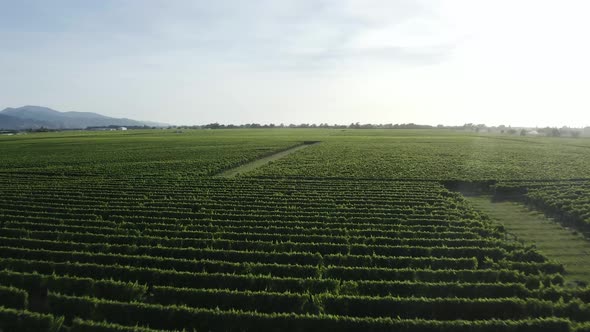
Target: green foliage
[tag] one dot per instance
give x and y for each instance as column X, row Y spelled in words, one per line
column 12, row 320
column 435, row 156
column 129, row 232
column 566, row 201
column 12, row 297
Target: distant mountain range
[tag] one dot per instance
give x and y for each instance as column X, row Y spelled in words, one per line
column 35, row 117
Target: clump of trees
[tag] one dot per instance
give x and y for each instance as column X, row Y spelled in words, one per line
column 561, row 132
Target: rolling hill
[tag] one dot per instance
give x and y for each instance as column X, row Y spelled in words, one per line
column 34, row 117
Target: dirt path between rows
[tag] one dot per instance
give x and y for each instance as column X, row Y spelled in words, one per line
column 233, row 172
column 563, row 245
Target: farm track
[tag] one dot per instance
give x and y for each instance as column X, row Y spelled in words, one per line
column 233, row 172
column 555, row 241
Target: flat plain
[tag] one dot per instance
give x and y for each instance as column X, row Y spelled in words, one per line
column 136, row 231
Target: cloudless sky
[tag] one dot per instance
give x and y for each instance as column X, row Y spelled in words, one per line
column 520, row 63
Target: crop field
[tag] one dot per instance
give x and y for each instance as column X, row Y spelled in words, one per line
column 136, row 231
column 437, row 157
column 152, row 154
column 567, row 201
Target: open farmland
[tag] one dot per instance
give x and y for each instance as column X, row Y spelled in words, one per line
column 133, row 232
column 569, row 247
column 154, row 154
column 566, row 201
column 433, row 156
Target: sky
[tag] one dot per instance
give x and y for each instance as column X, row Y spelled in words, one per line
column 519, row 63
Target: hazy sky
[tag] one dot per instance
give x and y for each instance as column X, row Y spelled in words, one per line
column 512, row 62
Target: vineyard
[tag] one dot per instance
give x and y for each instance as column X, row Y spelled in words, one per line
column 133, row 232
column 567, row 201
column 436, row 157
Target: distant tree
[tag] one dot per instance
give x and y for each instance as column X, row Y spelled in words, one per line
column 214, row 126
column 555, row 132
column 469, row 126
column 511, row 131
column 522, row 132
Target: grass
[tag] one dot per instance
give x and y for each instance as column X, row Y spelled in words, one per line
column 553, row 240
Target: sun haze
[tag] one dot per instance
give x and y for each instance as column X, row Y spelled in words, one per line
column 519, row 63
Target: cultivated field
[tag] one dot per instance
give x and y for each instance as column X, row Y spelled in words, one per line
column 142, row 231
